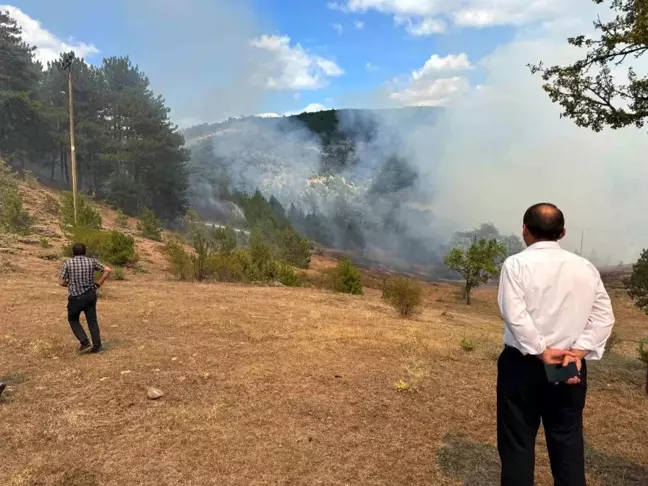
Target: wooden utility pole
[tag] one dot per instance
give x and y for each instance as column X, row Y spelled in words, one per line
column 67, row 65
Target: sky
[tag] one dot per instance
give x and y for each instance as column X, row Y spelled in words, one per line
column 304, row 54
column 500, row 145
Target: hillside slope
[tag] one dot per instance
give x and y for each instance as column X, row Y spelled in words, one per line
column 267, row 385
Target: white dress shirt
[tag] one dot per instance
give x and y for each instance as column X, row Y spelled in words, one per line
column 552, row 298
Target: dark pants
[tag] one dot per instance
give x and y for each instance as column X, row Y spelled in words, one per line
column 524, row 398
column 86, row 303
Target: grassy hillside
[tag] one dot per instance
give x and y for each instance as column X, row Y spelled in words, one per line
column 266, row 385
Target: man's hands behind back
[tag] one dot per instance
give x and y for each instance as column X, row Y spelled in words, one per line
column 563, row 357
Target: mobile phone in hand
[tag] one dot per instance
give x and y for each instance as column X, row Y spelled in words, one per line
column 560, row 374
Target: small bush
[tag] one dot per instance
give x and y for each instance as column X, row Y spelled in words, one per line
column 224, row 268
column 111, row 247
column 467, row 345
column 179, row 259
column 287, row 275
column 51, row 205
column 347, row 278
column 44, row 242
column 150, row 225
column 403, row 294
column 87, row 216
column 612, row 341
column 13, row 217
column 118, row 274
column 122, row 220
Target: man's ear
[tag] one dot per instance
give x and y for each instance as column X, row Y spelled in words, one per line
column 563, row 234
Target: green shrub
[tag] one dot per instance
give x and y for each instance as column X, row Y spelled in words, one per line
column 87, row 216
column 13, row 218
column 44, row 242
column 224, row 240
column 224, row 268
column 122, row 220
column 403, row 294
column 293, row 248
column 118, row 274
column 265, row 268
column 110, row 247
column 643, row 351
column 347, row 278
column 179, row 259
column 51, row 205
column 467, row 345
column 287, row 275
column 150, row 225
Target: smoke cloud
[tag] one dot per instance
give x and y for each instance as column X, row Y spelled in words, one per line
column 485, row 157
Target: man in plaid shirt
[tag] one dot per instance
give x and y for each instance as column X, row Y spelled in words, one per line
column 77, row 275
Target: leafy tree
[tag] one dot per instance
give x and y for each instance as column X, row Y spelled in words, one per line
column 477, row 264
column 487, row 231
column 637, row 283
column 225, row 240
column 293, row 248
column 637, row 286
column 588, row 90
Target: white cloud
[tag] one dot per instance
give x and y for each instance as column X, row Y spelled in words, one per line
column 422, row 27
column 48, row 46
column 431, row 92
column 371, row 67
column 338, row 28
column 436, row 64
column 358, row 24
column 426, row 17
column 436, row 83
column 314, row 107
column 292, row 67
column 311, row 108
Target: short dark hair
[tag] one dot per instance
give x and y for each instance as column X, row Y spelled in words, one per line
column 78, row 249
column 544, row 221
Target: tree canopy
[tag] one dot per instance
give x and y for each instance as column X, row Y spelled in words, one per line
column 477, row 264
column 128, row 151
column 589, row 90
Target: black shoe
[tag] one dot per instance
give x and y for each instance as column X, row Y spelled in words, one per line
column 96, row 349
column 2, row 388
column 84, row 346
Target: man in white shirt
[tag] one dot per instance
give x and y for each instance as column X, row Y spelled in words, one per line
column 556, row 310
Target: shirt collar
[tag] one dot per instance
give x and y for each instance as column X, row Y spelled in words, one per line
column 544, row 245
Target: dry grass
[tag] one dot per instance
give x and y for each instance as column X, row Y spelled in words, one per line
column 269, row 385
column 277, row 386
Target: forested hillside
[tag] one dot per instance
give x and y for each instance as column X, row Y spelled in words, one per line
column 128, row 150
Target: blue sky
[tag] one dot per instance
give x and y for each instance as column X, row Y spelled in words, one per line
column 181, row 44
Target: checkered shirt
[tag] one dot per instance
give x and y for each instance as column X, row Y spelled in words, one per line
column 79, row 272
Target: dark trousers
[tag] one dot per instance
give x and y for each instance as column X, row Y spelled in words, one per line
column 86, row 303
column 524, row 398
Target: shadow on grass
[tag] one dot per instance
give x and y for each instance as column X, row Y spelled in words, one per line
column 616, row 368
column 478, row 465
column 15, row 378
